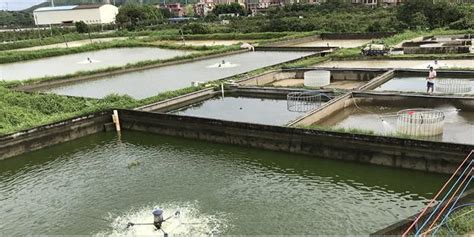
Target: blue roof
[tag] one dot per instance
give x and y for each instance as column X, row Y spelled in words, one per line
column 59, row 8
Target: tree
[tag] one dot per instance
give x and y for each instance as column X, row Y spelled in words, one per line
column 134, row 15
column 436, row 14
column 419, row 21
column 229, row 9
column 81, row 27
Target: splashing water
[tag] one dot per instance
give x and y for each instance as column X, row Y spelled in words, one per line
column 88, row 62
column 188, row 222
column 223, row 65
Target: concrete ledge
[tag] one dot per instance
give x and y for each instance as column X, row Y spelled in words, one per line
column 437, row 50
column 52, row 134
column 301, row 40
column 416, row 100
column 327, row 110
column 321, row 49
column 429, row 156
column 374, row 83
column 180, row 101
column 374, row 35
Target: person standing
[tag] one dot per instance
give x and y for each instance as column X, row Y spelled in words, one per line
column 430, row 80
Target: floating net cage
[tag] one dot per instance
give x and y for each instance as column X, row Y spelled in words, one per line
column 303, row 101
column 420, row 122
column 453, row 85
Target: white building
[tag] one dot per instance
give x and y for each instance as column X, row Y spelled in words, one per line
column 90, row 14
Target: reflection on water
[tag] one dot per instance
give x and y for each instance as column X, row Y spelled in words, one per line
column 412, row 84
column 72, row 63
column 458, row 125
column 242, row 109
column 87, row 187
column 151, row 82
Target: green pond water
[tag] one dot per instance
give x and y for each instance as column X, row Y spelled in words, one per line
column 96, row 184
column 242, row 109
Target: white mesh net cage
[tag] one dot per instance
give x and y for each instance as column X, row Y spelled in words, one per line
column 303, row 101
column 453, row 85
column 420, row 122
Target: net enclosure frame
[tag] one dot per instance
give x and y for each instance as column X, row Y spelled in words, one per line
column 304, row 101
column 453, row 86
column 420, row 122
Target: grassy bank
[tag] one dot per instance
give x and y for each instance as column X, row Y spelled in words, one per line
column 21, row 110
column 76, row 36
column 16, row 56
column 408, row 35
column 459, row 223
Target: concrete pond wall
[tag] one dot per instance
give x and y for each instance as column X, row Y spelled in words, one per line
column 372, row 35
column 436, row 50
column 388, row 151
column 337, row 74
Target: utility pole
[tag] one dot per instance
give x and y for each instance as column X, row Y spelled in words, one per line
column 52, row 3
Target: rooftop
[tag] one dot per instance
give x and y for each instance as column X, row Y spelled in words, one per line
column 69, row 7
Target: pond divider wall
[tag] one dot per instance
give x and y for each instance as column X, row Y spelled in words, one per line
column 301, row 40
column 325, row 111
column 439, row 72
column 320, row 49
column 180, row 101
column 388, row 151
column 372, row 35
column 414, row 100
column 337, row 74
column 437, row 50
column 377, row 81
column 429, row 156
column 52, row 134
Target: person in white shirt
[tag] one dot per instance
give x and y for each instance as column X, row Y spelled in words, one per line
column 430, row 80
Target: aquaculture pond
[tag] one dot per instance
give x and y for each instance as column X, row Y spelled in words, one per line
column 242, row 109
column 417, row 64
column 97, row 184
column 151, row 82
column 349, row 43
column 88, row 61
column 418, row 84
column 458, row 124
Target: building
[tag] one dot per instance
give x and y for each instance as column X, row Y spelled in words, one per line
column 175, row 8
column 203, row 7
column 90, row 14
column 365, row 2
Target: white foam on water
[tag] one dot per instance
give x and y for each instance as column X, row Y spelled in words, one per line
column 189, row 222
column 223, row 65
column 88, row 62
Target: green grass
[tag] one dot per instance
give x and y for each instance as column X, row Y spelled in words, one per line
column 76, row 36
column 15, row 56
column 408, row 35
column 459, row 223
column 21, row 110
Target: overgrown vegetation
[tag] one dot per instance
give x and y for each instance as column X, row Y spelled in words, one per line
column 459, row 223
column 20, row 110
